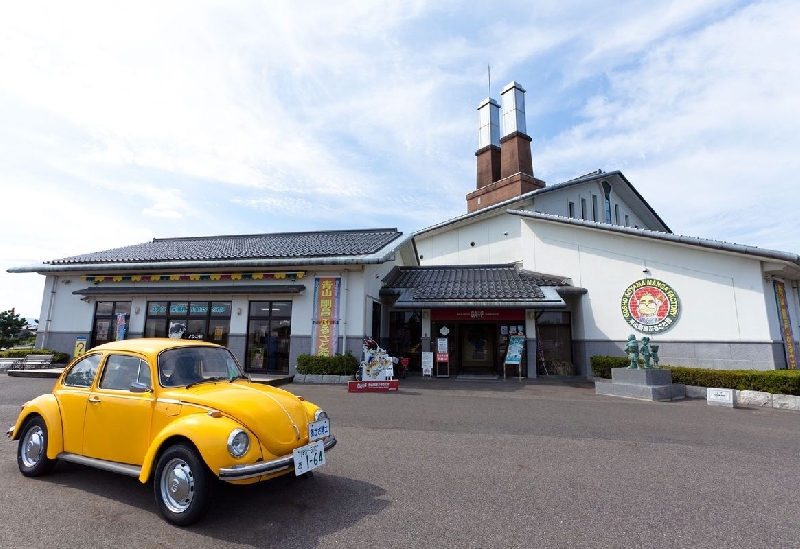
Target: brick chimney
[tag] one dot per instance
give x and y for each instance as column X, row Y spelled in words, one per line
column 514, row 176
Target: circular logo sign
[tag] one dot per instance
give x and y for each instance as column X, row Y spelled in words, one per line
column 650, row 305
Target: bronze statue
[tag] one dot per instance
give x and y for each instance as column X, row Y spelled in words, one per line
column 646, row 351
column 654, row 352
column 632, row 348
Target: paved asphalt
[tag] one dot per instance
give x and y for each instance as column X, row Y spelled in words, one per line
column 446, row 463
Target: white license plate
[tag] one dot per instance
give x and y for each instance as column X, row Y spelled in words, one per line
column 319, row 429
column 308, row 457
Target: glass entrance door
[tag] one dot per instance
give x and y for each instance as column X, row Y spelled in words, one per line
column 477, row 344
column 269, row 336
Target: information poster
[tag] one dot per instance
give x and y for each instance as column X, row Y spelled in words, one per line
column 122, row 326
column 441, row 350
column 515, row 347
column 427, row 363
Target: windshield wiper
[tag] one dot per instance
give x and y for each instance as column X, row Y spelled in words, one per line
column 214, row 378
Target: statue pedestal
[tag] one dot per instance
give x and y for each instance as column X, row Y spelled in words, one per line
column 649, row 384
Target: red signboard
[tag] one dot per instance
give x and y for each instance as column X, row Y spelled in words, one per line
column 442, row 357
column 477, row 314
column 373, row 386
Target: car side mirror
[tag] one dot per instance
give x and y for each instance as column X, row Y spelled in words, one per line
column 138, row 387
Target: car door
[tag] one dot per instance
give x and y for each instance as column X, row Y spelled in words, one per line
column 117, row 424
column 72, row 394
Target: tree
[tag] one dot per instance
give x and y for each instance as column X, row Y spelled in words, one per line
column 10, row 326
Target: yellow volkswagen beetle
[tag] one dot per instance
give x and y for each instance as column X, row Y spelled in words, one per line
column 180, row 412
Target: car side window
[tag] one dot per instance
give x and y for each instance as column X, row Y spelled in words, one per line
column 82, row 372
column 120, row 372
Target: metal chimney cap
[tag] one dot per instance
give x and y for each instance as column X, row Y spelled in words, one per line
column 511, row 85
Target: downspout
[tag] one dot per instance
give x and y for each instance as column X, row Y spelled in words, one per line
column 47, row 321
column 345, row 290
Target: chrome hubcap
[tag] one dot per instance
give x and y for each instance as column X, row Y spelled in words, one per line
column 33, row 447
column 177, row 485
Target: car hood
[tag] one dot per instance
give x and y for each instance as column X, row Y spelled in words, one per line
column 277, row 417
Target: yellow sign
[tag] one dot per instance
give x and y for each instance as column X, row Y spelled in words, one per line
column 786, row 324
column 80, row 346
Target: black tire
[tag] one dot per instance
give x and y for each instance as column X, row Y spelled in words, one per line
column 32, row 457
column 183, row 485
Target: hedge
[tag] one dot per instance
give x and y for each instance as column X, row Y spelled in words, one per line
column 336, row 365
column 58, row 357
column 781, row 382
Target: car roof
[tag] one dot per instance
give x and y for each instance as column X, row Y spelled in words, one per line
column 151, row 345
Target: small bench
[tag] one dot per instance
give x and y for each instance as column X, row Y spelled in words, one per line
column 37, row 361
column 10, row 364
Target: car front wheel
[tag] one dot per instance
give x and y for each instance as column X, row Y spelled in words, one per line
column 183, row 485
column 32, row 457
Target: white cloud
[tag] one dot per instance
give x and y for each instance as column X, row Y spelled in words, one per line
column 125, row 122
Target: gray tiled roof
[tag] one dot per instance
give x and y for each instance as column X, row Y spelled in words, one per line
column 468, row 283
column 258, row 246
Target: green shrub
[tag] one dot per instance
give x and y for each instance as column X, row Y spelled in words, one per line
column 336, row 365
column 782, row 382
column 601, row 365
column 58, row 357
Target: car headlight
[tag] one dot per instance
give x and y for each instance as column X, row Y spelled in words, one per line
column 238, row 443
column 320, row 414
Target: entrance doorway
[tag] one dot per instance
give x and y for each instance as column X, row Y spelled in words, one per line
column 477, row 346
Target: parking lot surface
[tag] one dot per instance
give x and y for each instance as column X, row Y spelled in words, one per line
column 446, row 463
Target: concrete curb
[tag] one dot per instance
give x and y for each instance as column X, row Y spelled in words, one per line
column 752, row 399
column 320, row 379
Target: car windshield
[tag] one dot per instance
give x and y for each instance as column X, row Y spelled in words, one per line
column 190, row 365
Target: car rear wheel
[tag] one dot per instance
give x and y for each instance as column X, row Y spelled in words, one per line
column 183, row 485
column 32, row 457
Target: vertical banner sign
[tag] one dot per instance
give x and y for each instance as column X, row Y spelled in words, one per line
column 80, row 346
column 325, row 321
column 786, row 324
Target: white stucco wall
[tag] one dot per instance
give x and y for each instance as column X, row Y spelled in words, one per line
column 723, row 296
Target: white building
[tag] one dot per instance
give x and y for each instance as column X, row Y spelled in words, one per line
column 571, row 269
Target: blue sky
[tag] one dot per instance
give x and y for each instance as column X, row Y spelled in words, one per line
column 125, row 121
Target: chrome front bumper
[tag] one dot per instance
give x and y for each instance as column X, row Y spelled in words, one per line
column 266, row 467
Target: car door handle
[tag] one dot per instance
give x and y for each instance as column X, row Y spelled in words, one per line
column 94, row 399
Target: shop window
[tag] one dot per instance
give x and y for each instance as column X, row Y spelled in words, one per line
column 111, row 320
column 405, row 337
column 269, row 335
column 203, row 320
column 554, row 340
